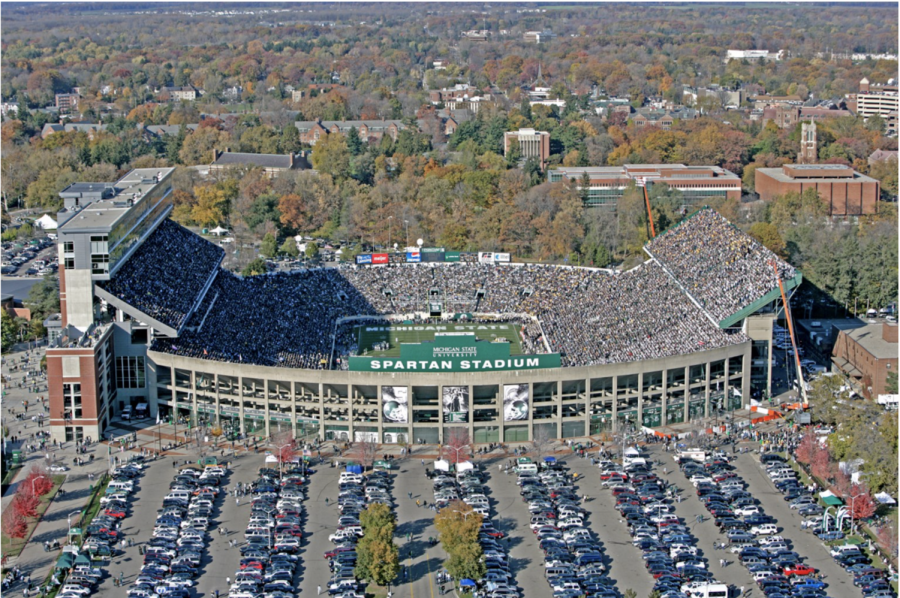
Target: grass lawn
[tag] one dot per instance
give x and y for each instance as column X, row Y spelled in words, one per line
column 12, row 547
column 394, row 335
column 373, row 591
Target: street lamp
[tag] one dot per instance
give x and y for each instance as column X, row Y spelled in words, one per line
column 281, row 461
column 407, row 232
column 457, row 449
column 40, row 477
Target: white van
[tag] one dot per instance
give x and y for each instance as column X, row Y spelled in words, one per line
column 710, row 590
column 124, row 486
column 126, row 413
column 527, row 468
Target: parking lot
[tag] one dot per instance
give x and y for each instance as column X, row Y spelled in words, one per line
column 510, row 514
column 30, row 258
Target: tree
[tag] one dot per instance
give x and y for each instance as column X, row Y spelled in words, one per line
column 768, row 235
column 331, row 156
column 542, row 441
column 807, row 448
column 284, row 445
column 211, row 206
column 465, row 562
column 257, row 266
column 863, row 506
column 458, row 444
column 457, row 525
column 39, row 478
column 379, row 559
column 312, row 250
column 14, row 525
column 9, row 330
column 364, row 451
column 269, row 246
column 289, row 248
column 25, row 503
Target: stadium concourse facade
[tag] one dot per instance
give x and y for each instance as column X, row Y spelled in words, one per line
column 153, row 326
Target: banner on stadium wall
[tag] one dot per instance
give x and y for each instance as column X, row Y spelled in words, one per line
column 454, row 352
column 364, row 258
column 413, row 257
column 432, row 256
column 395, row 404
column 515, row 402
column 485, row 257
column 501, row 257
column 379, row 258
column 451, row 256
column 432, row 250
column 456, row 404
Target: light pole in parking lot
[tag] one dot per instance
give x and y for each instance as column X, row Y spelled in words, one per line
column 40, row 477
column 281, row 460
column 457, row 449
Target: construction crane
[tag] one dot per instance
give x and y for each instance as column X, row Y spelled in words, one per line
column 642, row 182
column 790, row 321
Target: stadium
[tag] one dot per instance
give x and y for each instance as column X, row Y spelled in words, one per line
column 400, row 348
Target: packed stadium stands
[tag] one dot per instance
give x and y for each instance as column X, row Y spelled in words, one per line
column 589, row 316
column 723, row 268
column 166, row 274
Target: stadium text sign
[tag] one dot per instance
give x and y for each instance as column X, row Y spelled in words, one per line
column 454, row 352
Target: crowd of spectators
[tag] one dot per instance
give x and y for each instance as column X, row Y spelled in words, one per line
column 723, row 268
column 165, row 276
column 589, row 316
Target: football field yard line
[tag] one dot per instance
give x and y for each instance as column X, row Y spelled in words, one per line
column 406, row 334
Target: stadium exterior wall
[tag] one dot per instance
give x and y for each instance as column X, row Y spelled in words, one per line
column 260, row 401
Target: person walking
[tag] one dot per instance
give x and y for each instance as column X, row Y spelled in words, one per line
column 318, row 590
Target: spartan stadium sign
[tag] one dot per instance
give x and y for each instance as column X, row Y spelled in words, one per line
column 454, row 352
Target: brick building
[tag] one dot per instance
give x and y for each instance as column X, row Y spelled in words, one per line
column 698, row 184
column 371, row 130
column 273, row 164
column 66, row 103
column 786, row 117
column 532, row 144
column 847, row 192
column 866, row 355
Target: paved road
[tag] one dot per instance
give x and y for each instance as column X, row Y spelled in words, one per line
column 420, row 558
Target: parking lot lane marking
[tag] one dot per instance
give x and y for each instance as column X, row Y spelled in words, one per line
column 430, row 585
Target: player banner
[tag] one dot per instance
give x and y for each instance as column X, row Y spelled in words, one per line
column 456, row 404
column 454, row 352
column 515, row 402
column 395, row 404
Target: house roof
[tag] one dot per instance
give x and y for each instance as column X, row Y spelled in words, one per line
column 346, row 125
column 160, row 130
column 263, row 160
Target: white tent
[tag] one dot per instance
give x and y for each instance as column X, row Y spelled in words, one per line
column 218, row 231
column 442, row 465
column 45, row 222
column 464, row 466
column 271, row 459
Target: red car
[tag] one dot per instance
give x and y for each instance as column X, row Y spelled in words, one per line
column 116, row 513
column 493, row 533
column 799, row 570
column 252, row 565
column 336, row 551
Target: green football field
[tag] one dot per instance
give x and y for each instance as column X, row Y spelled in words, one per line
column 395, row 334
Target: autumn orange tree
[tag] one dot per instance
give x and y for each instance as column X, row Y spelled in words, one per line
column 14, row 524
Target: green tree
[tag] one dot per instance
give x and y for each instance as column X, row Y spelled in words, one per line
column 9, row 330
column 465, row 562
column 257, row 266
column 379, row 561
column 768, row 235
column 43, row 298
column 289, row 248
column 312, row 250
column 331, row 156
column 354, row 143
column 269, row 246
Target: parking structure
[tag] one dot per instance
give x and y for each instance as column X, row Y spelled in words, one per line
column 173, row 554
column 355, row 493
column 669, row 550
column 274, row 534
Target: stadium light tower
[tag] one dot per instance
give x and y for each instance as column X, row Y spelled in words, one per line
column 390, row 223
column 407, row 232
